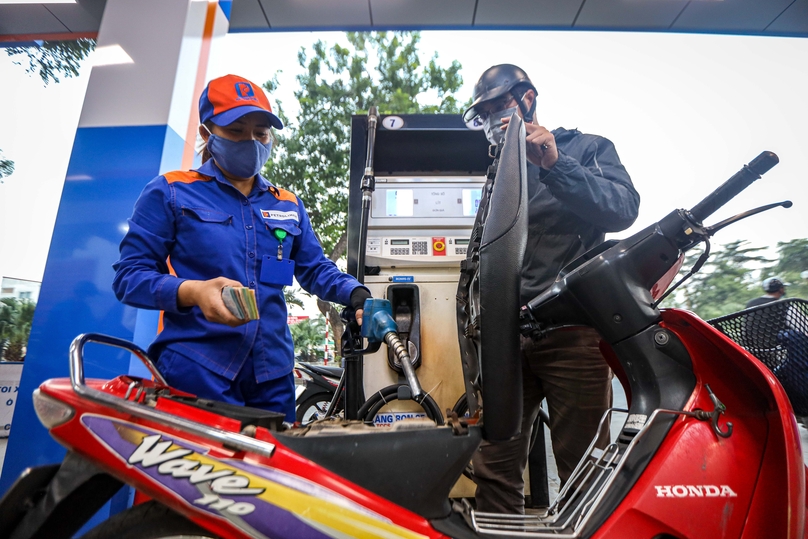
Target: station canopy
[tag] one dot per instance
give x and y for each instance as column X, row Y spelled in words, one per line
column 32, row 21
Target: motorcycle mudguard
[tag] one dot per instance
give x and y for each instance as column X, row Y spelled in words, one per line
column 28, row 488
column 488, row 292
column 74, row 493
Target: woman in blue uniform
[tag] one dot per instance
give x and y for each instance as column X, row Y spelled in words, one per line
column 194, row 232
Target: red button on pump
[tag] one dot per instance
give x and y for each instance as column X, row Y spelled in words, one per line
column 438, row 246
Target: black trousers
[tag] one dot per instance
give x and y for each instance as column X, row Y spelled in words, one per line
column 568, row 370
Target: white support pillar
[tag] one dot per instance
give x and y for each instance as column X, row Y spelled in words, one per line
column 139, row 120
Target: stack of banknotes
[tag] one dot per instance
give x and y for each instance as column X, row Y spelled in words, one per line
column 241, row 302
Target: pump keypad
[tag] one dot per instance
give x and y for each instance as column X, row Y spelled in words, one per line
column 420, row 248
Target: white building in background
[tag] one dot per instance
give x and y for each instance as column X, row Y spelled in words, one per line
column 20, row 289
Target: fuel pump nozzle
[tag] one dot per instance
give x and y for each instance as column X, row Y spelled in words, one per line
column 368, row 180
column 379, row 326
column 368, row 186
column 354, row 393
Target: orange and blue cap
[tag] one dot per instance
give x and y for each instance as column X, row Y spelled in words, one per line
column 228, row 98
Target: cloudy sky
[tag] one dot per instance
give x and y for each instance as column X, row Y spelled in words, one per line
column 684, row 111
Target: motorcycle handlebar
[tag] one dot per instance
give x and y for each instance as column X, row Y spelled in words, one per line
column 737, row 183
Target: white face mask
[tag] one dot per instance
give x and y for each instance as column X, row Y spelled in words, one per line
column 492, row 126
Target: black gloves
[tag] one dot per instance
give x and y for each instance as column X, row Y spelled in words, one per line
column 358, row 297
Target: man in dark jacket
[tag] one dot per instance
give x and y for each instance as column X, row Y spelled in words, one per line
column 577, row 191
column 775, row 289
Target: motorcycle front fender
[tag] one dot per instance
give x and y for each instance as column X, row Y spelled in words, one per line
column 56, row 500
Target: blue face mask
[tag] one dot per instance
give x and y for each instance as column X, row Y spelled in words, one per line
column 242, row 159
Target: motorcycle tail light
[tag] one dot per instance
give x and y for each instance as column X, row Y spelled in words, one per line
column 51, row 412
column 302, row 376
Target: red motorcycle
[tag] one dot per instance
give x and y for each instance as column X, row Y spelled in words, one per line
column 710, row 447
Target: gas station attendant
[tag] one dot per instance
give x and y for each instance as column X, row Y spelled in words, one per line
column 194, row 232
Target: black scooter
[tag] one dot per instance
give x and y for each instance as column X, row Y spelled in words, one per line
column 315, row 387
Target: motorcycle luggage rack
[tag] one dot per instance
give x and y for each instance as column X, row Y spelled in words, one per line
column 228, row 439
column 571, row 509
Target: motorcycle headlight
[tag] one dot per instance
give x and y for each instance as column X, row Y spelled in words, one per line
column 51, row 412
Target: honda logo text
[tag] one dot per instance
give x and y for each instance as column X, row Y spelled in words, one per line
column 694, row 491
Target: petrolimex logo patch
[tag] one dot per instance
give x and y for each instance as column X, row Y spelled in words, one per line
column 694, row 491
column 275, row 215
column 245, row 92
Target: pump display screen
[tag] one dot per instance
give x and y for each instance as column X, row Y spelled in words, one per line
column 399, row 202
column 422, row 221
column 427, row 202
column 471, row 201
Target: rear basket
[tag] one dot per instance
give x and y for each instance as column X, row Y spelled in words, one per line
column 777, row 334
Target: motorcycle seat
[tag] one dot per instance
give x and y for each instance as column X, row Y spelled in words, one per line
column 415, row 469
column 333, row 372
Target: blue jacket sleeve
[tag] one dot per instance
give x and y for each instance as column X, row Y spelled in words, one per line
column 316, row 273
column 597, row 187
column 142, row 277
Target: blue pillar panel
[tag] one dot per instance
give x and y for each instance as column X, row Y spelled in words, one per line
column 133, row 125
column 108, row 169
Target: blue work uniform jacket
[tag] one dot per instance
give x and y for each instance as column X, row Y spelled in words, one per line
column 571, row 207
column 196, row 225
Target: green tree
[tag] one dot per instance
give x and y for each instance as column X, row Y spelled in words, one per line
column 309, row 336
column 792, row 261
column 6, row 167
column 16, row 317
column 291, row 298
column 724, row 284
column 382, row 69
column 52, row 59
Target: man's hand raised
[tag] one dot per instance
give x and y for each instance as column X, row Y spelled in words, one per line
column 540, row 145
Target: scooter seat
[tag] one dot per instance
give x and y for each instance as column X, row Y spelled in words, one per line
column 322, row 370
column 415, row 469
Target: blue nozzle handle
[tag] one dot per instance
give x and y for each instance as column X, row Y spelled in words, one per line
column 378, row 326
column 377, row 320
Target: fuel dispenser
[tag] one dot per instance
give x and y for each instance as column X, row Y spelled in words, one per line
column 429, row 172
